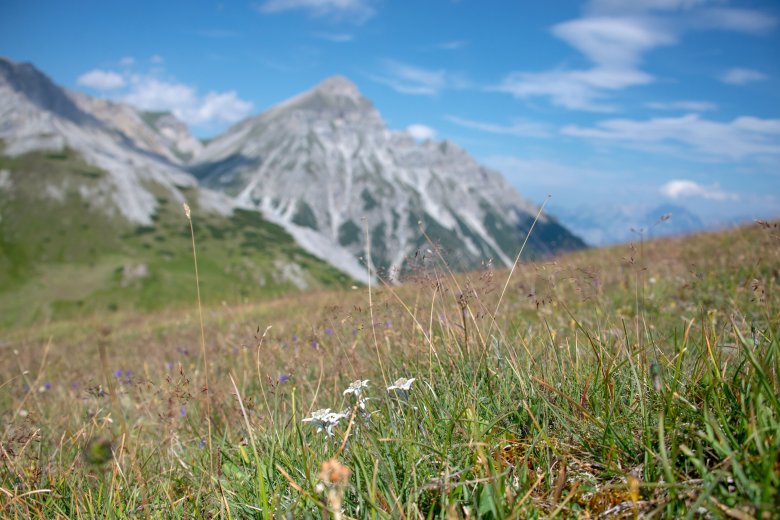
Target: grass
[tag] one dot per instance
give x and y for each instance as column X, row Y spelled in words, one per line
column 624, row 382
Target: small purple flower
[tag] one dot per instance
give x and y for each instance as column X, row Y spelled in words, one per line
column 314, row 344
column 329, row 332
column 168, row 365
column 118, row 373
column 47, row 386
column 182, row 411
column 75, row 386
column 202, row 444
column 284, row 378
column 388, row 324
column 295, row 339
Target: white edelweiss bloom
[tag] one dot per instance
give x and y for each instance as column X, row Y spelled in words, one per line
column 325, row 420
column 356, row 387
column 402, row 384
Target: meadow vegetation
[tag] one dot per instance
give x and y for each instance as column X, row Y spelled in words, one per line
column 635, row 381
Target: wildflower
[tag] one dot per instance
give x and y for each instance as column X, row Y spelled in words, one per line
column 168, row 366
column 334, row 478
column 182, row 411
column 202, row 444
column 118, row 373
column 315, row 344
column 356, row 387
column 325, row 420
column 295, row 339
column 401, row 387
column 284, row 378
column 329, row 332
column 401, row 384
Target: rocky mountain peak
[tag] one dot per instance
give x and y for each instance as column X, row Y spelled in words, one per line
column 27, row 81
column 338, row 86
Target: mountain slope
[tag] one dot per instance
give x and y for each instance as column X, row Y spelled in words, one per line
column 91, row 217
column 324, row 165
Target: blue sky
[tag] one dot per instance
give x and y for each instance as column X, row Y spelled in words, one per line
column 594, row 103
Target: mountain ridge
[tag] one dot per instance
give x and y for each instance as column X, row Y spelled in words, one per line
column 325, row 160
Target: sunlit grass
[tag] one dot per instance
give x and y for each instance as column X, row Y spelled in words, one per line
column 633, row 381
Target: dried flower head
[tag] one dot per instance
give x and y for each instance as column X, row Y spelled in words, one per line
column 334, row 477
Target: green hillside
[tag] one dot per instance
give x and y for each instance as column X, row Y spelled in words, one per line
column 62, row 255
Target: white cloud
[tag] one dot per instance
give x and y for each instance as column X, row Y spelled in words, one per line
column 613, row 42
column 408, row 79
column 614, row 45
column 127, row 61
column 695, row 137
column 684, row 189
column 687, row 106
column 101, row 80
column 421, row 132
column 335, row 37
column 519, row 128
column 355, row 10
column 614, row 36
column 150, row 93
column 740, row 76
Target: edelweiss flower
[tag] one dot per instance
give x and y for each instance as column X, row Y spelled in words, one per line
column 325, row 420
column 356, row 387
column 401, row 384
column 401, row 387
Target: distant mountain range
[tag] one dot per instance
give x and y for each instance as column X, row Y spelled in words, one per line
column 606, row 225
column 282, row 199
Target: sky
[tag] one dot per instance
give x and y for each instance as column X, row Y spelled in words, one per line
column 598, row 104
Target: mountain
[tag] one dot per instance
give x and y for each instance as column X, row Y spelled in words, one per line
column 606, row 225
column 91, row 217
column 325, row 166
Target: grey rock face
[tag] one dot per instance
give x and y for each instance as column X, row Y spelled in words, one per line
column 326, row 161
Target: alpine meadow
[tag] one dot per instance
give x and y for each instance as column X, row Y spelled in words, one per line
column 362, row 259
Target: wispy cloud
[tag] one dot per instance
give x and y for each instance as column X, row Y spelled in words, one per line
column 687, row 106
column 452, row 45
column 353, row 10
column 408, row 79
column 614, row 45
column 421, row 132
column 742, row 138
column 101, row 80
column 519, row 128
column 685, row 189
column 614, row 36
column 335, row 37
column 740, row 76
